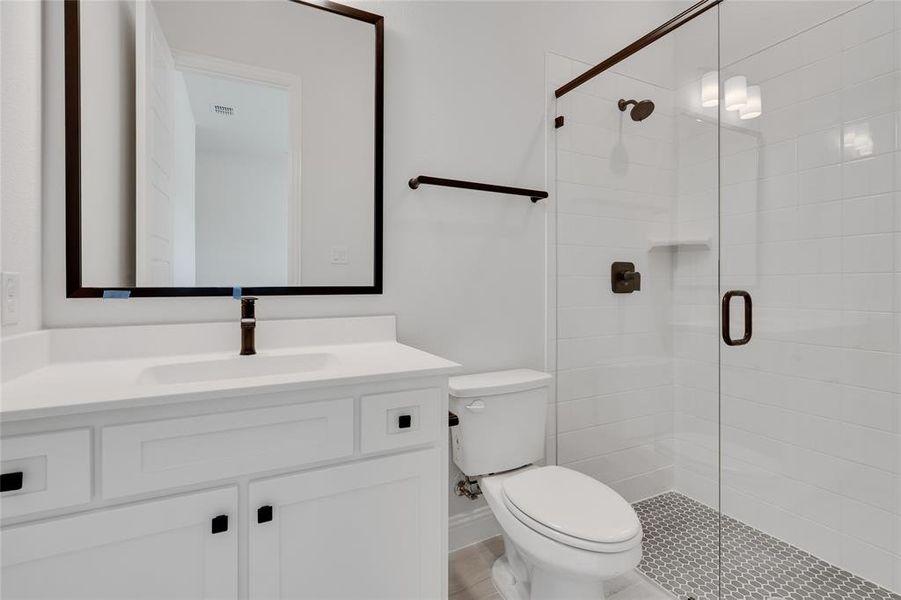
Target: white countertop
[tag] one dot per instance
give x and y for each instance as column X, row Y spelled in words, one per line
column 76, row 371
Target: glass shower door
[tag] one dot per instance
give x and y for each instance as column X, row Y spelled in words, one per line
column 810, row 277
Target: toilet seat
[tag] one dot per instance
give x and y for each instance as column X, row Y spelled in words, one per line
column 573, row 509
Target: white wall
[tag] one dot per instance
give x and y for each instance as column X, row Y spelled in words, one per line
column 242, row 218
column 108, row 143
column 183, row 202
column 20, row 155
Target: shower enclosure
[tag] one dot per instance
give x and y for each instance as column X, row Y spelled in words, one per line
column 747, row 398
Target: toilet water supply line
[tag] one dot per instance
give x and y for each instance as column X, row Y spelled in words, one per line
column 469, row 488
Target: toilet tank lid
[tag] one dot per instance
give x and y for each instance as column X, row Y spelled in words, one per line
column 497, row 382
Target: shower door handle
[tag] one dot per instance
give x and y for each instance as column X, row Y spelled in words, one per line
column 727, row 304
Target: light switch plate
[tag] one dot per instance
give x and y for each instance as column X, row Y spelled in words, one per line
column 339, row 255
column 9, row 307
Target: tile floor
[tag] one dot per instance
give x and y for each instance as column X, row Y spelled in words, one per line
column 680, row 544
column 469, row 571
column 469, row 576
column 681, row 539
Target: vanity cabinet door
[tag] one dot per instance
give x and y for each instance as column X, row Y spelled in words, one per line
column 368, row 530
column 152, row 550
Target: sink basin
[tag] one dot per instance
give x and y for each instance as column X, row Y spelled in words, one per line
column 236, row 367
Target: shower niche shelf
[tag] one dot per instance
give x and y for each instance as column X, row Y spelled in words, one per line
column 681, row 242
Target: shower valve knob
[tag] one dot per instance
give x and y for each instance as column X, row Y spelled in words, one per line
column 624, row 279
column 634, row 278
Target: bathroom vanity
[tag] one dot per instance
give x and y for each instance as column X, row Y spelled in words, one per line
column 154, row 462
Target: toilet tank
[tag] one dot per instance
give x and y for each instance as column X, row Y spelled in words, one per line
column 502, row 420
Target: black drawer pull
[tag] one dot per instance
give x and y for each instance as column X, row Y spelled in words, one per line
column 219, row 524
column 264, row 514
column 10, row 482
column 727, row 303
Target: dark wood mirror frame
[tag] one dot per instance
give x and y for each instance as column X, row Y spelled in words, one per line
column 74, row 287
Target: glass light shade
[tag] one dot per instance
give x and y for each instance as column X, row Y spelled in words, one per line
column 753, row 107
column 736, row 92
column 858, row 141
column 710, row 89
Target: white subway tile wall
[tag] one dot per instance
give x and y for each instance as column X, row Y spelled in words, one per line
column 614, row 194
column 806, row 205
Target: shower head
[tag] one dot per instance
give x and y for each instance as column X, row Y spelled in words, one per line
column 640, row 111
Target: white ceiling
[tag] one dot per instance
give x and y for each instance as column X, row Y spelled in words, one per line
column 748, row 26
column 260, row 124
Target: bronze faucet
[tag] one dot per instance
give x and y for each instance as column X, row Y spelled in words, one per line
column 248, row 325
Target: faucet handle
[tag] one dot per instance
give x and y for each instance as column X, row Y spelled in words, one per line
column 248, row 308
column 635, row 278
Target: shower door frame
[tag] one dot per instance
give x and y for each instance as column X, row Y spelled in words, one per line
column 649, row 38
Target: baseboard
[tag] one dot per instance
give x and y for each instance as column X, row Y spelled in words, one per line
column 470, row 527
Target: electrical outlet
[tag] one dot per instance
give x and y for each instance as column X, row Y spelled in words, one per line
column 9, row 307
column 339, row 255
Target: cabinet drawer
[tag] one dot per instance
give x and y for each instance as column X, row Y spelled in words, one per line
column 399, row 419
column 55, row 471
column 149, row 456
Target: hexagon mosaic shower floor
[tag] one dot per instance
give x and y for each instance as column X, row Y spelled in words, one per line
column 680, row 555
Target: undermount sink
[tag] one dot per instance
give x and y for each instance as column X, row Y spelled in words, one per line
column 236, row 367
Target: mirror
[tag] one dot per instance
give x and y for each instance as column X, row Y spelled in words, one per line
column 214, row 144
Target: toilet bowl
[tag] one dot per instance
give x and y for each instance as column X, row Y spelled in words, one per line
column 565, row 551
column 565, row 533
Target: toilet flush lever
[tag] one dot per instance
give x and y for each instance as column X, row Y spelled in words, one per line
column 476, row 406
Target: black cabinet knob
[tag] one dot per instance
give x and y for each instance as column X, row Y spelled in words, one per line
column 404, row 421
column 10, row 482
column 219, row 524
column 264, row 514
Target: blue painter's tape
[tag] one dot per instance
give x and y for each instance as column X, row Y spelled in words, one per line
column 236, row 293
column 116, row 294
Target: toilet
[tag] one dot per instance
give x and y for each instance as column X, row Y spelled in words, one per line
column 565, row 533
